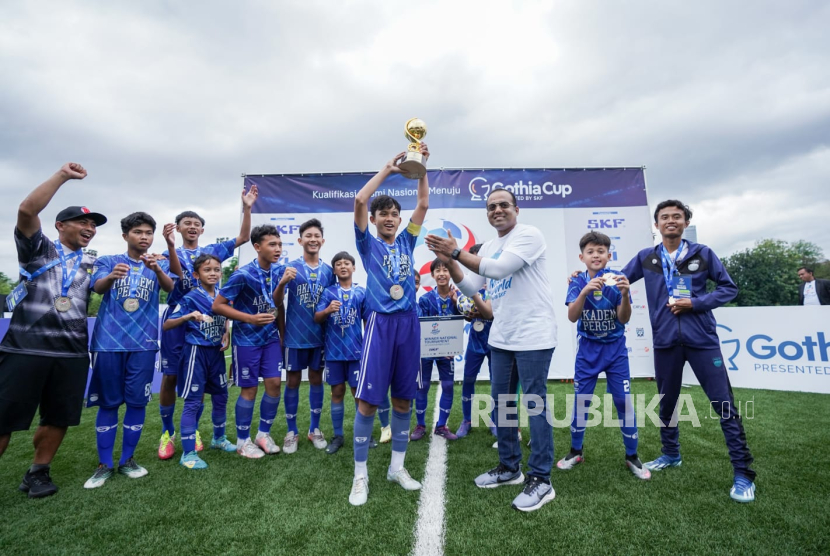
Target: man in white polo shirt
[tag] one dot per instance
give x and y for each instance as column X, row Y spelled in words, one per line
column 522, row 340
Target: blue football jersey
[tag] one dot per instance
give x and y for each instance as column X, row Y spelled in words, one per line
column 389, row 265
column 344, row 329
column 251, row 290
column 117, row 329
column 200, row 333
column 599, row 320
column 433, row 305
column 303, row 294
column 223, row 251
column 477, row 341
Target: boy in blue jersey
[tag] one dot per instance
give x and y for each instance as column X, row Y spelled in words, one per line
column 125, row 341
column 342, row 310
column 481, row 319
column 599, row 302
column 680, row 307
column 191, row 226
column 441, row 301
column 204, row 369
column 391, row 346
column 256, row 339
column 304, row 280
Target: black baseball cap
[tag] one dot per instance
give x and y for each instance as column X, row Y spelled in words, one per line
column 71, row 213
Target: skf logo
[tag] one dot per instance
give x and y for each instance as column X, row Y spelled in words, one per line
column 288, row 228
column 605, row 223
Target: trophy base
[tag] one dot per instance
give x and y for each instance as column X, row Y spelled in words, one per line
column 412, row 165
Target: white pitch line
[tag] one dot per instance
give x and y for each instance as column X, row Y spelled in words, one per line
column 429, row 530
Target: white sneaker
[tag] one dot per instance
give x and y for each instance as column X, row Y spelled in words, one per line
column 403, row 478
column 385, row 434
column 249, row 450
column 289, row 443
column 266, row 443
column 317, row 439
column 360, row 491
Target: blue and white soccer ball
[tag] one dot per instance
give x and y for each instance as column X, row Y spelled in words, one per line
column 465, row 305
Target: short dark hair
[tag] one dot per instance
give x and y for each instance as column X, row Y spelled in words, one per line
column 136, row 219
column 342, row 255
column 687, row 212
column 383, row 202
column 475, row 249
column 513, row 197
column 188, row 214
column 313, row 223
column 203, row 258
column 596, row 238
column 437, row 263
column 261, row 231
column 806, row 269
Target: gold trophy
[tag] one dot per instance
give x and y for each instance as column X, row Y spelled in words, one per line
column 413, row 163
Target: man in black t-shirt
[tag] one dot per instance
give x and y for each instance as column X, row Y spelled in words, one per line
column 44, row 358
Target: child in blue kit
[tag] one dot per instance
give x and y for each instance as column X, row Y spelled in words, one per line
column 438, row 302
column 203, row 371
column 599, row 302
column 125, row 341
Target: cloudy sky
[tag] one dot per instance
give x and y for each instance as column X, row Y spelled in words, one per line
column 727, row 104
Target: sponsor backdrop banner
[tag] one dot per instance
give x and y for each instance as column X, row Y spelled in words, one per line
column 564, row 204
column 774, row 348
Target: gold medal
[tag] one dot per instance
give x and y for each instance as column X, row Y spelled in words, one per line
column 396, row 292
column 131, row 305
column 63, row 304
column 478, row 326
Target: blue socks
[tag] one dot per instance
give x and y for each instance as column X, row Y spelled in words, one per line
column 244, row 416
column 268, row 412
column 400, row 430
column 362, row 433
column 337, row 411
column 383, row 412
column 166, row 412
column 445, row 403
column 467, row 391
column 581, row 404
column 106, row 426
column 421, row 401
column 628, row 424
column 189, row 424
column 292, row 402
column 315, row 400
column 133, row 423
column 218, row 414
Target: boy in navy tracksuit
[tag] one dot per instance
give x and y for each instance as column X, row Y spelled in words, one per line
column 683, row 327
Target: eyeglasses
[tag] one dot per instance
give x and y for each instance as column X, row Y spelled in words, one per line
column 504, row 205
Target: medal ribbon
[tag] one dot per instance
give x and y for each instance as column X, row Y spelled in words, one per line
column 670, row 265
column 263, row 284
column 67, row 278
column 135, row 276
column 394, row 260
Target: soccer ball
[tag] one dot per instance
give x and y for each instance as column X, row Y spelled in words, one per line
column 465, row 305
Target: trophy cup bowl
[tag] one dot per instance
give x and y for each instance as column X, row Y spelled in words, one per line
column 413, row 163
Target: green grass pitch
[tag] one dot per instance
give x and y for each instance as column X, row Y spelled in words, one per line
column 298, row 504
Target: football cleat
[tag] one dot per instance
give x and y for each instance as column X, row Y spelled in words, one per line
column 266, row 443
column 222, row 443
column 335, row 444
column 191, row 460
column 570, row 461
column 99, row 477
column 402, row 477
column 131, row 469
column 464, row 429
column 664, row 462
column 199, row 444
column 317, row 439
column 444, row 432
column 360, row 491
column 289, row 443
column 385, row 434
column 418, row 433
column 249, row 450
column 638, row 469
column 743, row 490
column 167, row 446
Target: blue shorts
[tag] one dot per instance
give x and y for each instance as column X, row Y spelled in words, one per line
column 297, row 359
column 121, row 377
column 446, row 370
column 172, row 343
column 252, row 362
column 202, row 372
column 391, row 357
column 338, row 372
column 593, row 358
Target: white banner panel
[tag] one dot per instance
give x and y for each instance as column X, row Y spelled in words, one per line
column 775, row 348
